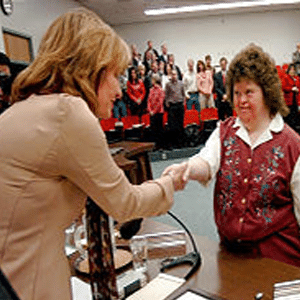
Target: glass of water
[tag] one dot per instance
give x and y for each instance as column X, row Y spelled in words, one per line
column 139, row 250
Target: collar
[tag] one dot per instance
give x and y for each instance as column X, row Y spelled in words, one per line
column 276, row 125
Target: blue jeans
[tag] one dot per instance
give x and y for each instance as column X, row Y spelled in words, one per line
column 193, row 101
column 120, row 109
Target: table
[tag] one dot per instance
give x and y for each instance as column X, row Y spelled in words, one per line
column 224, row 274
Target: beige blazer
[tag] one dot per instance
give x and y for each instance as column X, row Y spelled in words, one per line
column 53, row 153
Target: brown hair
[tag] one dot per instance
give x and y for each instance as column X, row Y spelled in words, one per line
column 255, row 64
column 74, row 51
column 200, row 62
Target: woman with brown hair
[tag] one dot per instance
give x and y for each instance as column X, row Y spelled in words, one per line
column 53, row 154
column 205, row 84
column 291, row 87
column 255, row 159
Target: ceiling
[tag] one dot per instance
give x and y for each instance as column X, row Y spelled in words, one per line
column 118, row 12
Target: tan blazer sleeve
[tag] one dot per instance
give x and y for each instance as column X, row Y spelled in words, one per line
column 85, row 160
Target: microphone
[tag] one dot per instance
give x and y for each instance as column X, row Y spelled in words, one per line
column 193, row 258
column 130, row 228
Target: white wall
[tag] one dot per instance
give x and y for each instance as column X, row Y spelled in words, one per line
column 277, row 32
column 32, row 17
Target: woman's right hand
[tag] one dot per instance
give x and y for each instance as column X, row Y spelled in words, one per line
column 179, row 174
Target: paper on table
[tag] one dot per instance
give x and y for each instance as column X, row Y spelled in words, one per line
column 80, row 289
column 190, row 296
column 158, row 288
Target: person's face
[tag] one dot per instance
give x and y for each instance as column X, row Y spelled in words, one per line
column 249, row 101
column 164, row 49
column 154, row 67
column 134, row 50
column 174, row 76
column 133, row 74
column 150, row 45
column 200, row 67
column 292, row 71
column 171, row 59
column 191, row 65
column 161, row 65
column 208, row 61
column 169, row 69
column 108, row 91
column 142, row 71
column 223, row 65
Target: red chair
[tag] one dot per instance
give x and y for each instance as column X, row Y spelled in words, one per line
column 109, row 128
column 129, row 121
column 191, row 117
column 108, row 124
column 191, row 125
column 146, row 120
column 207, row 114
column 209, row 118
column 165, row 118
column 133, row 129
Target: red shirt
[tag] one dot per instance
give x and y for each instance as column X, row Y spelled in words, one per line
column 156, row 100
column 136, row 91
column 288, row 82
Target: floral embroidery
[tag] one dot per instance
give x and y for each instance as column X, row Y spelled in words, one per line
column 234, row 169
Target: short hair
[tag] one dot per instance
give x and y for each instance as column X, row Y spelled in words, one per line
column 156, row 78
column 75, row 50
column 255, row 64
column 4, row 60
column 223, row 59
column 208, row 56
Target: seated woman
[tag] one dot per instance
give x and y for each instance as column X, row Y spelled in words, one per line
column 255, row 159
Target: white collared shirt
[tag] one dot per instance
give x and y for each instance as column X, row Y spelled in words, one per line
column 211, row 153
column 189, row 83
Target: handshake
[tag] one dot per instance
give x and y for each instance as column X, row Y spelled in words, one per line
column 194, row 169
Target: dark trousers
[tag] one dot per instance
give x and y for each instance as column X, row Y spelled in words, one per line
column 157, row 129
column 175, row 125
column 224, row 109
column 292, row 119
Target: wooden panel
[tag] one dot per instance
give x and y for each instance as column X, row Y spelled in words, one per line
column 17, row 47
